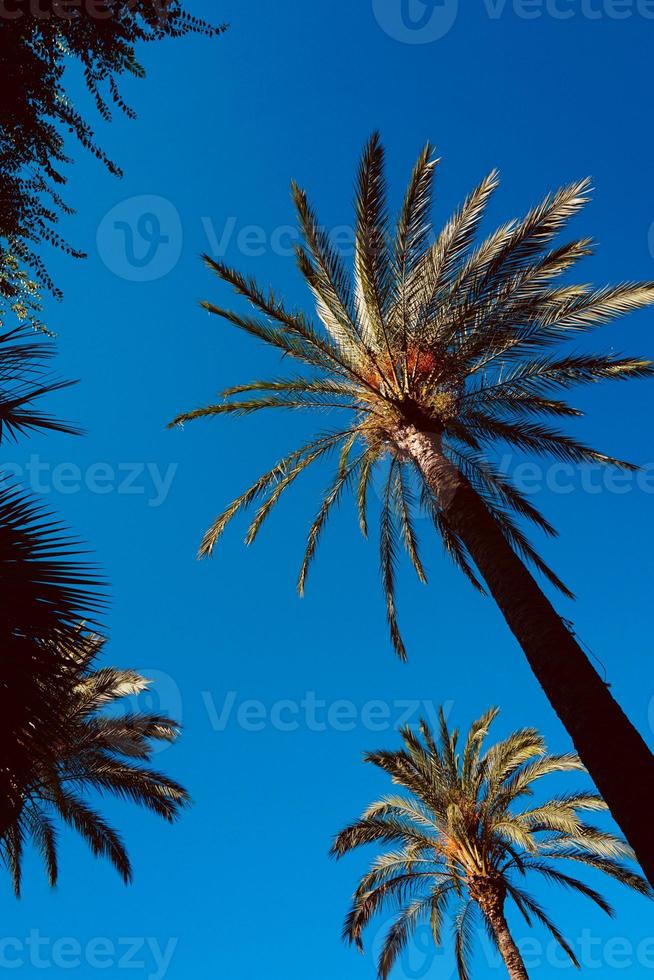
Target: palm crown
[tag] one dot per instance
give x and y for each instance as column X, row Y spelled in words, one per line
column 460, row 341
column 467, row 833
column 95, row 749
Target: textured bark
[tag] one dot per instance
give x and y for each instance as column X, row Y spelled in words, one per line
column 491, row 902
column 615, row 754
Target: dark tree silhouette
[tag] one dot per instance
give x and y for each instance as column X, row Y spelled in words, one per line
column 36, row 116
column 95, row 751
column 47, row 587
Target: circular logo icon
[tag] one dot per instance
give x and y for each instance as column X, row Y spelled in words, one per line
column 141, row 238
column 421, row 958
column 416, row 21
column 162, row 696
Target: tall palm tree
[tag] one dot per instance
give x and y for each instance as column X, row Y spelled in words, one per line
column 94, row 748
column 465, row 834
column 437, row 353
column 47, row 587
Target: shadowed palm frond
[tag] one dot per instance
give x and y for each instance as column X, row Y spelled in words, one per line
column 24, row 381
column 92, row 750
column 47, row 588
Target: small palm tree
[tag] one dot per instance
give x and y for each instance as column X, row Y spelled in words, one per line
column 436, row 354
column 93, row 749
column 464, row 835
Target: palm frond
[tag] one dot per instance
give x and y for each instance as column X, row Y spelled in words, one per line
column 463, row 938
column 372, row 262
column 567, row 881
column 366, row 471
column 411, row 240
column 23, row 381
column 346, row 470
column 326, row 276
column 100, row 837
column 91, row 749
column 404, row 508
column 294, row 464
column 399, row 934
column 388, row 549
column 539, row 913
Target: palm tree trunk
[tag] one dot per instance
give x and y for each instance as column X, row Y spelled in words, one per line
column 492, row 905
column 615, row 754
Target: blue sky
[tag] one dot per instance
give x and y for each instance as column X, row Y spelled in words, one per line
column 275, row 694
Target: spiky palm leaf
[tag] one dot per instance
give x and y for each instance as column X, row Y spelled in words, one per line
column 47, row 585
column 24, row 381
column 94, row 749
column 461, row 342
column 466, row 836
column 48, row 588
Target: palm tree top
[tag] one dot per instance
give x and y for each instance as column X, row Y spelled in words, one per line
column 466, row 832
column 95, row 749
column 431, row 333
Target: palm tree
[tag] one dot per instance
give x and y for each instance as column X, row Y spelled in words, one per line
column 55, row 741
column 95, row 748
column 47, row 587
column 463, row 835
column 438, row 352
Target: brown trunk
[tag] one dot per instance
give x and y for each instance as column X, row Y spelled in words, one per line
column 615, row 754
column 491, row 902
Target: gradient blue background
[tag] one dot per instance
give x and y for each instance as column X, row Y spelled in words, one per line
column 243, row 883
